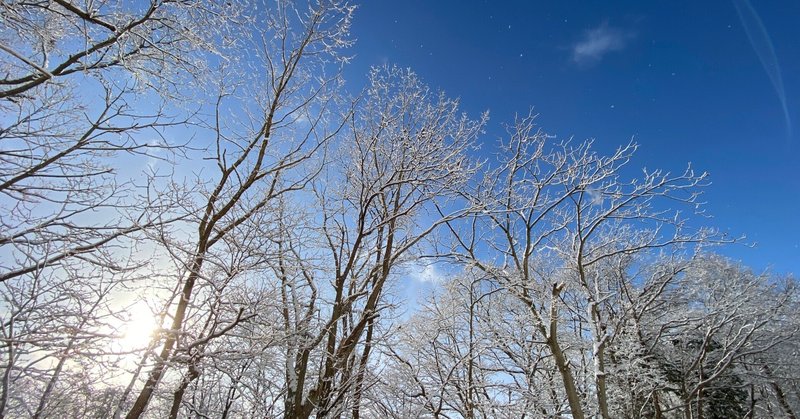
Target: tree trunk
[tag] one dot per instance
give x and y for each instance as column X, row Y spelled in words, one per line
column 656, row 406
column 177, row 397
column 558, row 355
column 599, row 358
column 699, row 403
column 569, row 381
column 781, row 396
column 600, row 381
column 359, row 385
column 157, row 372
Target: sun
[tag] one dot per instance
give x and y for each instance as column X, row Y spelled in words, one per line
column 137, row 331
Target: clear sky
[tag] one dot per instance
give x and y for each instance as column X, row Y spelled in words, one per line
column 714, row 83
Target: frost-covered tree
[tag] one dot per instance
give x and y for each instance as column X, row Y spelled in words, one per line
column 205, row 158
column 84, row 99
column 714, row 321
column 405, row 153
column 267, row 121
column 556, row 221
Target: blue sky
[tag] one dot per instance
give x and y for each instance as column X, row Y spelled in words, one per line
column 689, row 81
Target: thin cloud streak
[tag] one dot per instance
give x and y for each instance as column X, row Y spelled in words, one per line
column 762, row 45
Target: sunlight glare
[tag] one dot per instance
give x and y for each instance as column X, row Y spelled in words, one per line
column 138, row 330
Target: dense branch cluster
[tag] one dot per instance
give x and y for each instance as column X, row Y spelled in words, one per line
column 199, row 166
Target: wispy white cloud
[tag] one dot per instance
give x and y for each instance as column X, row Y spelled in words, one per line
column 155, row 153
column 598, row 42
column 595, row 195
column 425, row 272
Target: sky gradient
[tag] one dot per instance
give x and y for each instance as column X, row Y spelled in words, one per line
column 711, row 83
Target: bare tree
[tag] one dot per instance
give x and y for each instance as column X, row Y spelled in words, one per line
column 61, row 146
column 72, row 218
column 716, row 319
column 552, row 217
column 256, row 160
column 204, row 156
column 446, row 359
column 52, row 324
column 406, row 151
